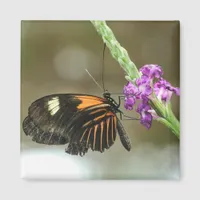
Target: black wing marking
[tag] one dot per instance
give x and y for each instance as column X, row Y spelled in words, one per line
column 39, row 136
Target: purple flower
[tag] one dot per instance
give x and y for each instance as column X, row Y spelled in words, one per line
column 143, row 90
column 164, row 90
column 130, row 89
column 130, row 92
column 152, row 71
column 129, row 103
column 144, row 87
column 145, row 116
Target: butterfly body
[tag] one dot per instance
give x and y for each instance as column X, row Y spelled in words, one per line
column 79, row 120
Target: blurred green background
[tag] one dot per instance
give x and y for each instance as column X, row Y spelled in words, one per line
column 54, row 56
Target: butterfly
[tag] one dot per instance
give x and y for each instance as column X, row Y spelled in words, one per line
column 81, row 121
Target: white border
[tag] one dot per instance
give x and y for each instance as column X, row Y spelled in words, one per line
column 14, row 11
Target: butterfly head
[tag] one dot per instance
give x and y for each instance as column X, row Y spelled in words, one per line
column 106, row 94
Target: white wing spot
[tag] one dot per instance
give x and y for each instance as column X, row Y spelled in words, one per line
column 53, row 105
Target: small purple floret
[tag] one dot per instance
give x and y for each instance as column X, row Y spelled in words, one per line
column 145, row 116
column 144, row 87
column 152, row 71
column 129, row 103
column 130, row 89
column 164, row 90
column 130, row 92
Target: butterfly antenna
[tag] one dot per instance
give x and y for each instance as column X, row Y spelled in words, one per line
column 102, row 74
column 94, row 79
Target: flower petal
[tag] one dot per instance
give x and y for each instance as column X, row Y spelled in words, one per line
column 164, row 90
column 152, row 71
column 146, row 119
column 129, row 103
column 144, row 87
column 145, row 116
column 130, row 89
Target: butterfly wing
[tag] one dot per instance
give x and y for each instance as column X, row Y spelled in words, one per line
column 49, row 117
column 40, row 136
column 95, row 128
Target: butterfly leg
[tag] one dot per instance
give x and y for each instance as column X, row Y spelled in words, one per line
column 120, row 98
column 127, row 117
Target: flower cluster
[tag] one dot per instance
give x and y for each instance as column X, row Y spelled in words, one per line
column 150, row 82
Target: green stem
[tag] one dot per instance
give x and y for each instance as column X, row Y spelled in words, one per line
column 174, row 127
column 117, row 51
column 166, row 116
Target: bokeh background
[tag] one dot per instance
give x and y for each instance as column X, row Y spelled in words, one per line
column 54, row 56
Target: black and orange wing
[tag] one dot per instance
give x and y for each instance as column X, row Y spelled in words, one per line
column 83, row 121
column 97, row 132
column 48, row 117
column 95, row 128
